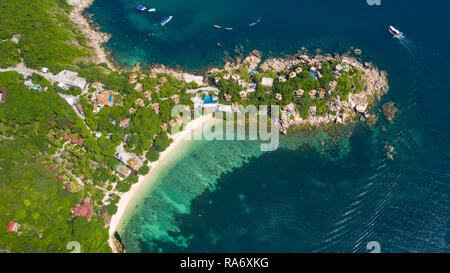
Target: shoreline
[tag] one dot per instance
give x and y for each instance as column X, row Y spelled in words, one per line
column 127, row 198
column 94, row 38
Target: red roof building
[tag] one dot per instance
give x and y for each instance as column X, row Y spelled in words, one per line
column 60, row 177
column 80, row 109
column 83, row 211
column 66, row 137
column 2, row 95
column 74, row 140
column 13, row 227
column 68, row 187
column 80, row 142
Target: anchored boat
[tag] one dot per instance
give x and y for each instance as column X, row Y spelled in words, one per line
column 167, row 20
column 395, row 32
column 152, row 10
column 217, row 26
column 141, row 8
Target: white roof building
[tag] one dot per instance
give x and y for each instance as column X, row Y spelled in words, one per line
column 68, row 78
column 267, row 82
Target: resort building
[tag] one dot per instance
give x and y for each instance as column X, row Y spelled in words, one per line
column 321, row 93
column 131, row 159
column 83, row 211
column 312, row 94
column 122, row 169
column 298, row 70
column 292, row 75
column 67, row 79
column 98, row 86
column 140, row 102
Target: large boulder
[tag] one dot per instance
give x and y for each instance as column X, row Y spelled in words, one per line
column 389, row 111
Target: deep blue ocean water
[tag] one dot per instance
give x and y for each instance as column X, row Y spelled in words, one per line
column 321, row 191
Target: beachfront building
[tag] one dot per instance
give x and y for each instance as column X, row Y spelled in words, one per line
column 67, row 79
column 281, row 79
column 130, row 159
column 292, row 75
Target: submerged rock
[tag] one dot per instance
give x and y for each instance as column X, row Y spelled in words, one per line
column 389, row 111
column 372, row 120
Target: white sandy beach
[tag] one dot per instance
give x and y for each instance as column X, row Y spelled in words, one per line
column 128, row 197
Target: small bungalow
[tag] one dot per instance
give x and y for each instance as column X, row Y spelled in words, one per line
column 13, row 227
column 164, row 126
column 299, row 93
column 321, row 93
column 217, row 80
column 132, row 111
column 139, row 102
column 243, row 95
column 312, row 94
column 74, row 140
column 133, row 76
column 125, row 123
column 175, row 99
column 65, row 137
column 163, row 79
column 292, row 75
column 235, row 77
column 227, row 76
column 281, row 79
column 97, row 86
column 172, row 122
column 333, row 85
column 143, row 76
column 132, row 81
column 298, row 70
column 80, row 142
column 138, row 87
column 155, row 107
column 60, row 177
column 153, row 75
column 278, row 97
column 148, row 94
column 227, row 97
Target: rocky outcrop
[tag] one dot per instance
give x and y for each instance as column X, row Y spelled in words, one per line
column 389, row 111
column 252, row 60
column 94, row 38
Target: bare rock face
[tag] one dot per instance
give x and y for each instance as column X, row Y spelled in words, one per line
column 253, row 59
column 389, row 111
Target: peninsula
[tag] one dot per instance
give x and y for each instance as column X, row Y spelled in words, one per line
column 79, row 137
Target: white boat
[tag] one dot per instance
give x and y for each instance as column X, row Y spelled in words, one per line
column 152, row 10
column 229, row 28
column 395, row 32
column 217, row 26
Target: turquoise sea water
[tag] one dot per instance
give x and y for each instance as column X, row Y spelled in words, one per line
column 321, row 191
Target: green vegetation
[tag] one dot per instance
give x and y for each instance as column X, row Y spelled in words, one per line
column 47, row 37
column 30, row 194
column 9, row 54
